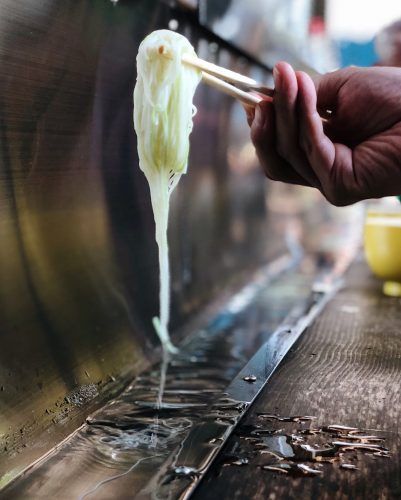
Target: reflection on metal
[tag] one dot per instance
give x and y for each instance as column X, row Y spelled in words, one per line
column 132, row 426
column 196, row 453
column 78, row 263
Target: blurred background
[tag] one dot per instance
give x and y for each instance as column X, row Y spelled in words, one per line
column 355, row 26
column 325, row 34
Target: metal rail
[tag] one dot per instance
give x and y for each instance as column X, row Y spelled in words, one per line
column 182, row 472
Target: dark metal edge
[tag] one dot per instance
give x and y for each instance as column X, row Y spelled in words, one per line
column 241, row 394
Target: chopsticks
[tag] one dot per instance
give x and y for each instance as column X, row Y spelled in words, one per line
column 230, row 82
column 227, row 88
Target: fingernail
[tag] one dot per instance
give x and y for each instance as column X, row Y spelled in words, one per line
column 276, row 76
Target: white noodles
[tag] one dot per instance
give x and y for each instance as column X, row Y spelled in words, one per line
column 163, row 112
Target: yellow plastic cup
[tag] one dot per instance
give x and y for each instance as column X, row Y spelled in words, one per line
column 383, row 248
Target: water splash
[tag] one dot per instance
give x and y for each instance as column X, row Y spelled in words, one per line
column 117, row 476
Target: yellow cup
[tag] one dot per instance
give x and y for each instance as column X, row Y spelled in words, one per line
column 383, row 248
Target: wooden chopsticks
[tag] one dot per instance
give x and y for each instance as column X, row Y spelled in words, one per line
column 230, row 82
column 227, row 88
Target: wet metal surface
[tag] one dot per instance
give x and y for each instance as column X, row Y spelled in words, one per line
column 195, row 451
column 78, row 260
column 124, row 443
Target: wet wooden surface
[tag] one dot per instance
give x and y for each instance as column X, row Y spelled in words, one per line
column 346, row 369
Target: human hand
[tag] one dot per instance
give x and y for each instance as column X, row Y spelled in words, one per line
column 352, row 154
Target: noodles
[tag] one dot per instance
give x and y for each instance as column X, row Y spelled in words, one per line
column 163, row 113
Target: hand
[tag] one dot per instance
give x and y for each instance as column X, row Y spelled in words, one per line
column 352, row 154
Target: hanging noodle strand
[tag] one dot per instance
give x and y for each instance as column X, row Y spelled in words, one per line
column 163, row 113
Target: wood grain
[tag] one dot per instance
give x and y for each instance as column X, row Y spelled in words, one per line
column 346, row 369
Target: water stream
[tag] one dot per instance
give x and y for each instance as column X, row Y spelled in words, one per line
column 130, row 438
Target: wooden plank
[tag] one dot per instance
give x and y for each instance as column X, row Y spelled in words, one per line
column 346, row 369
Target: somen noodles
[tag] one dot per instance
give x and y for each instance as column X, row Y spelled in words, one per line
column 163, row 112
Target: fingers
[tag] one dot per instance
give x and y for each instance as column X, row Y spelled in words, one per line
column 295, row 145
column 331, row 163
column 287, row 122
column 289, row 134
column 250, row 110
column 319, row 150
column 263, row 135
column 327, row 99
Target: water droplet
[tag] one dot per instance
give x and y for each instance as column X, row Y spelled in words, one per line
column 216, row 441
column 240, row 461
column 293, row 469
column 183, row 470
column 296, row 418
column 382, row 453
column 360, row 446
column 250, row 378
column 349, row 466
column 339, row 428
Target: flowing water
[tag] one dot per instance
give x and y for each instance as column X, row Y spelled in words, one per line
column 123, row 444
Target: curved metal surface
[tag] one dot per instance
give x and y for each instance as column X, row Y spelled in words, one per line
column 78, row 263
